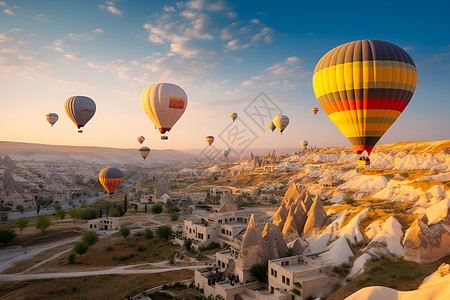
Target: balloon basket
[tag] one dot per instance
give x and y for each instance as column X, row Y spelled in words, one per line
column 80, row 131
column 363, row 162
column 164, row 137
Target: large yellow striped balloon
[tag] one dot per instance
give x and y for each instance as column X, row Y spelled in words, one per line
column 363, row 86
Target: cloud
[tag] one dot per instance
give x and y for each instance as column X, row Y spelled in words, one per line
column 3, row 3
column 9, row 12
column 236, row 45
column 58, row 46
column 41, row 17
column 292, row 60
column 16, row 58
column 207, row 5
column 408, row 48
column 86, row 36
column 111, row 7
column 310, row 33
column 72, row 57
column 168, row 8
column 438, row 56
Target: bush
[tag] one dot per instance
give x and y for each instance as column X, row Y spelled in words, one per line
column 109, row 248
column 174, row 216
column 349, row 201
column 81, row 247
column 148, row 233
column 157, row 208
column 71, row 258
column 211, row 246
column 7, row 235
column 164, row 232
column 188, row 244
column 259, row 271
column 141, row 248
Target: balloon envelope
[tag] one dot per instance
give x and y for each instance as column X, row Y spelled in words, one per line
column 110, row 178
column 164, row 104
column 210, row 139
column 141, row 139
column 272, row 126
column 51, row 118
column 80, row 110
column 304, row 144
column 315, row 110
column 281, row 122
column 363, row 86
column 144, row 151
column 233, row 116
column 225, row 152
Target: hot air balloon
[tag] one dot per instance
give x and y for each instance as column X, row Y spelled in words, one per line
column 315, row 110
column 80, row 110
column 110, row 178
column 234, row 116
column 210, row 139
column 304, row 144
column 144, row 151
column 164, row 104
column 52, row 118
column 225, row 152
column 141, row 139
column 363, row 86
column 272, row 126
column 281, row 122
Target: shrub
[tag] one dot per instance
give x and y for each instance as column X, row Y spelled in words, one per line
column 81, row 247
column 174, row 216
column 7, row 235
column 148, row 233
column 140, row 248
column 109, row 248
column 71, row 258
column 157, row 208
column 164, row 232
column 259, row 271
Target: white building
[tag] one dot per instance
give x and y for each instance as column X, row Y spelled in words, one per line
column 104, row 223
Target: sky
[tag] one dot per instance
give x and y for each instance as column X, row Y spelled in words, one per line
column 228, row 56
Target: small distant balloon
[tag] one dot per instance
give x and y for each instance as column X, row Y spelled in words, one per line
column 272, row 126
column 111, row 179
column 141, row 139
column 210, row 139
column 80, row 110
column 304, row 144
column 281, row 122
column 315, row 110
column 234, row 116
column 225, row 152
column 144, row 151
column 52, row 118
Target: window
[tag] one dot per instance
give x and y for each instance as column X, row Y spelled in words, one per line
column 276, row 273
column 208, row 237
column 288, row 281
column 271, row 271
column 283, row 279
column 223, row 230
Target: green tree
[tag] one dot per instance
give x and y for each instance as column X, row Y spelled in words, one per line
column 20, row 208
column 7, row 235
column 259, row 271
column 81, row 247
column 188, row 244
column 43, row 223
column 125, row 232
column 61, row 213
column 71, row 258
column 164, row 232
column 157, row 208
column 75, row 214
column 174, row 216
column 22, row 223
column 90, row 237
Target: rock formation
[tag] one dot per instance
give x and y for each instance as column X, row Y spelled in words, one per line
column 8, row 182
column 250, row 246
column 162, row 186
column 280, row 216
column 425, row 242
column 227, row 203
column 272, row 244
column 316, row 218
column 256, row 161
column 295, row 222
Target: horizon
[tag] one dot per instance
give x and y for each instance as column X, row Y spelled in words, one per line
column 223, row 54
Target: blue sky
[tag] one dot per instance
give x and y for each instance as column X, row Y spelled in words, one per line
column 222, row 53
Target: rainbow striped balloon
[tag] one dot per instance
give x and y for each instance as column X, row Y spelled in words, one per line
column 363, row 86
